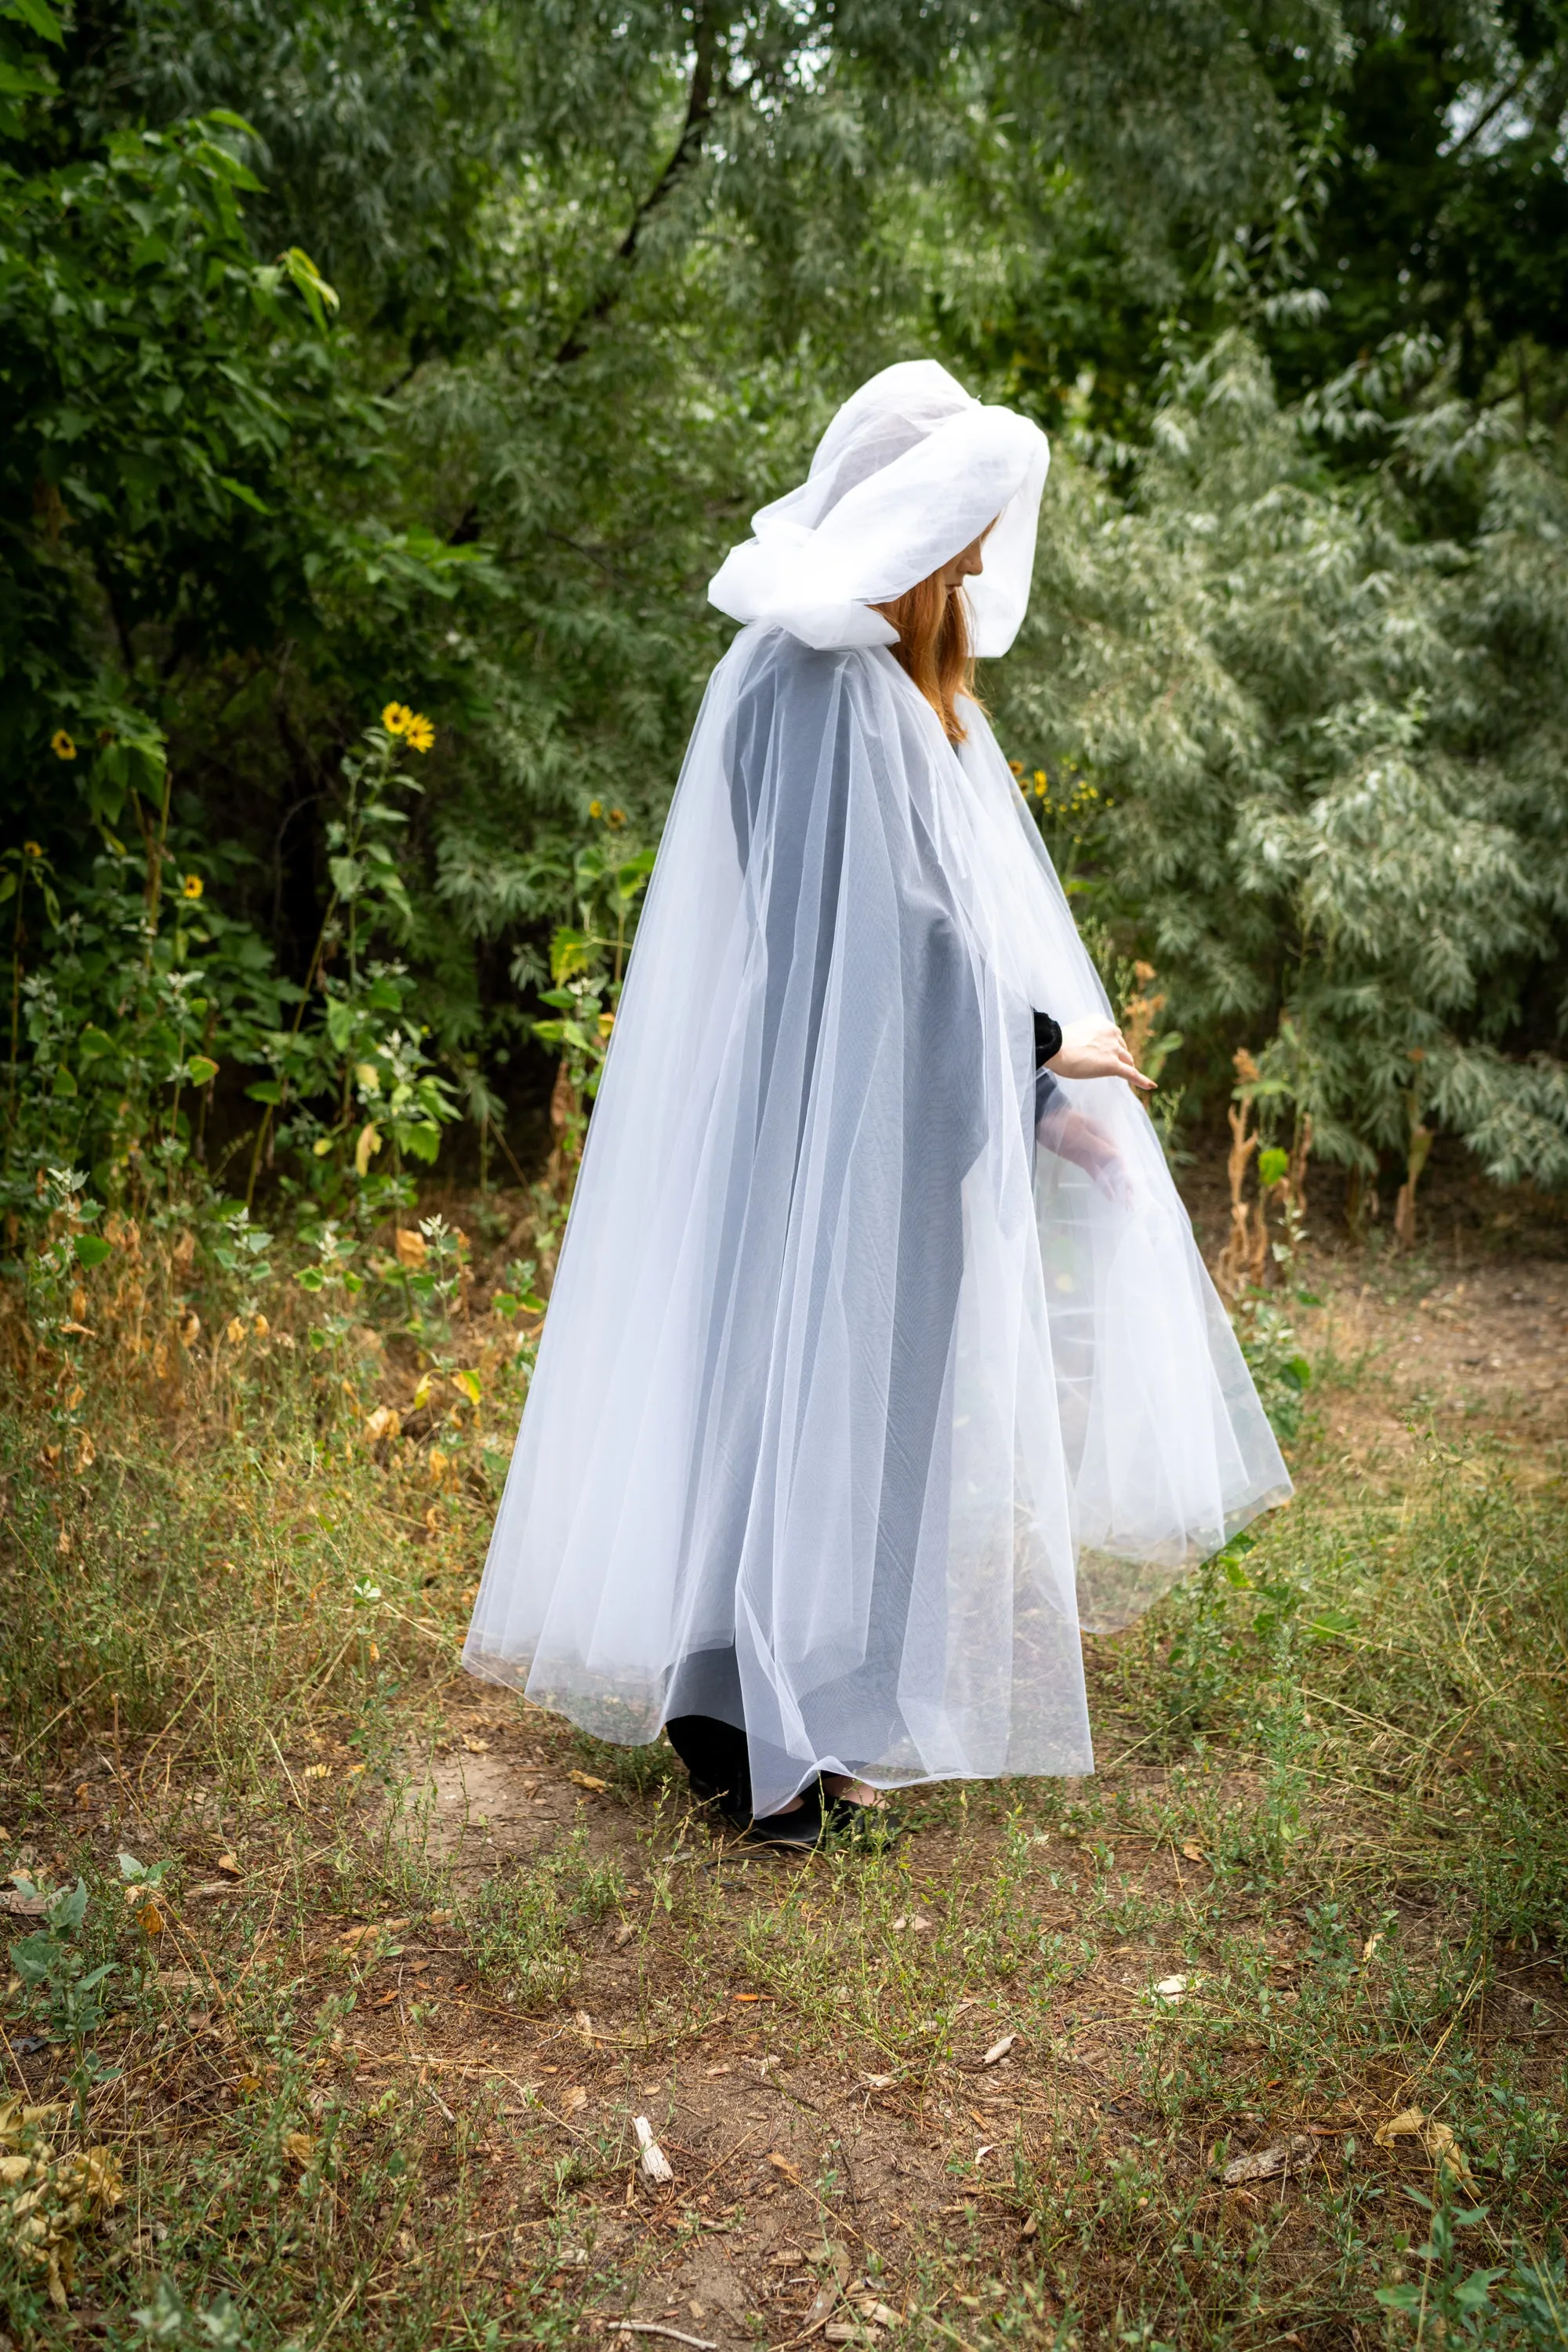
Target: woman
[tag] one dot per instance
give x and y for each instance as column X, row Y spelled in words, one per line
column 880, row 1357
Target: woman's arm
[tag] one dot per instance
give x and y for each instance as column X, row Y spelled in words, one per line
column 1094, row 1048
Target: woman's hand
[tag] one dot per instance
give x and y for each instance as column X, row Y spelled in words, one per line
column 1096, row 1048
column 1085, row 1142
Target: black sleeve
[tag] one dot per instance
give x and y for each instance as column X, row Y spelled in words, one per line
column 1047, row 1046
column 1047, row 1039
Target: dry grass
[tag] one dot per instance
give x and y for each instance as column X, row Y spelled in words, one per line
column 371, row 2047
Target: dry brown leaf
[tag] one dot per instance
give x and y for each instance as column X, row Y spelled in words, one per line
column 1171, row 1988
column 999, row 2050
column 384, row 1421
column 1266, row 2163
column 573, row 2099
column 585, row 2025
column 624, row 1933
column 23, row 1906
column 1369, row 1949
column 317, row 1772
column 1194, row 1853
column 822, row 2304
column 1445, row 2150
column 58, row 2196
column 782, row 2164
column 476, row 1746
column 230, row 1863
column 16, row 2113
column 1436, row 2138
column 299, row 2147
column 440, row 1919
column 880, row 2082
column 1407, row 2125
column 586, row 1780
column 411, row 1250
column 178, row 1981
column 151, row 1919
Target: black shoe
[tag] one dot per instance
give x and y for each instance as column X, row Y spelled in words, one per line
column 803, row 1827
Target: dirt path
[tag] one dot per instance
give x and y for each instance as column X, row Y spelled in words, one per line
column 840, row 2156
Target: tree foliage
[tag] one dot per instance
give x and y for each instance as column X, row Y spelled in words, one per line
column 380, row 349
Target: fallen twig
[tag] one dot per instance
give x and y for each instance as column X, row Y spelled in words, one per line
column 652, row 2327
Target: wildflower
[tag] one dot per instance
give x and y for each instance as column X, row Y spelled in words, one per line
column 595, row 809
column 61, row 745
column 419, row 731
column 1040, row 777
column 618, row 816
column 1017, row 766
column 192, row 886
column 32, row 848
column 395, row 717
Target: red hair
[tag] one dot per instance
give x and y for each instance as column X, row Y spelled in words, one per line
column 933, row 648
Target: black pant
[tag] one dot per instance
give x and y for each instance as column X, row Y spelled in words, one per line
column 715, row 1754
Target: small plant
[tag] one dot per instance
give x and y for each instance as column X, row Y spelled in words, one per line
column 587, row 966
column 1071, row 812
column 524, row 1924
column 1263, row 1250
column 354, row 1079
column 62, row 1990
column 168, row 2318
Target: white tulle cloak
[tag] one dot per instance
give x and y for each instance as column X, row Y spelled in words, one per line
column 854, row 1402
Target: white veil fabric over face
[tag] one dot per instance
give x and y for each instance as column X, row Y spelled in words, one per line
column 857, row 1399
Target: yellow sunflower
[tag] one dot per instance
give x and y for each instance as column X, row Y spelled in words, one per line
column 395, row 717
column 192, row 887
column 419, row 731
column 60, row 745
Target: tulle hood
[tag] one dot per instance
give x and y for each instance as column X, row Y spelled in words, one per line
column 911, row 470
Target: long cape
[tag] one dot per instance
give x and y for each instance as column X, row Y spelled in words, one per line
column 855, row 1400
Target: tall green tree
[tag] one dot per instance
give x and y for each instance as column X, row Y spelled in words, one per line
column 600, row 277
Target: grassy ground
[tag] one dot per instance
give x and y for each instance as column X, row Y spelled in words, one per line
column 1258, row 2037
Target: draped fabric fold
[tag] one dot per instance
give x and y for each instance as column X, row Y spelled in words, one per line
column 855, row 1398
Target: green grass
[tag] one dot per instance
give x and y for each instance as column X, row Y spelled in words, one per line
column 342, row 2096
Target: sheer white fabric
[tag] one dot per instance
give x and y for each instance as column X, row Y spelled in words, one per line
column 855, row 1398
column 910, row 471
